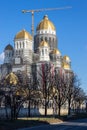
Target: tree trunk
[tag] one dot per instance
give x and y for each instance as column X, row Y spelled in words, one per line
column 69, row 102
column 12, row 114
column 29, row 108
column 6, row 109
column 59, row 104
column 29, row 104
column 45, row 110
column 6, row 112
column 59, row 108
column 45, row 107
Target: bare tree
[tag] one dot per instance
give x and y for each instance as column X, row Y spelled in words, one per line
column 70, row 79
column 14, row 95
column 79, row 96
column 45, row 78
column 29, row 85
column 61, row 89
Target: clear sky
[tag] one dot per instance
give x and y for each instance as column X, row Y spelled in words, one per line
column 71, row 27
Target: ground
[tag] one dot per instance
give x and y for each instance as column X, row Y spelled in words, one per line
column 36, row 121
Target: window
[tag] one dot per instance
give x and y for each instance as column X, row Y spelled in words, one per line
column 23, row 44
column 17, row 45
column 37, row 39
column 16, row 52
column 9, row 54
column 42, row 52
column 46, row 51
column 19, row 52
column 53, row 39
column 49, row 39
column 41, row 38
column 45, row 38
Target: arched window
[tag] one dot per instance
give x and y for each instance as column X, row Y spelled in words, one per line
column 42, row 52
column 53, row 39
column 41, row 38
column 23, row 44
column 9, row 54
column 37, row 39
column 19, row 52
column 49, row 39
column 46, row 51
column 20, row 44
column 17, row 45
column 45, row 38
column 16, row 52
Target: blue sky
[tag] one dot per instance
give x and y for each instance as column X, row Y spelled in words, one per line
column 71, row 27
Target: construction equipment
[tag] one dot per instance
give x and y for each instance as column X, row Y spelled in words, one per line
column 40, row 10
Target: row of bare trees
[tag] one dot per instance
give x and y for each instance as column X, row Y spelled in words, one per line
column 16, row 89
column 48, row 84
column 61, row 86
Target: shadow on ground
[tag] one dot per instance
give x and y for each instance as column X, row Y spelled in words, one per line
column 79, row 124
column 12, row 125
column 37, row 121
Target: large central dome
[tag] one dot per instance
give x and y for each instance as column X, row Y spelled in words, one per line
column 45, row 31
column 45, row 24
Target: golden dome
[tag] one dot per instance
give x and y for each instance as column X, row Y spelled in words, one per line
column 43, row 43
column 65, row 65
column 11, row 79
column 23, row 34
column 8, row 47
column 45, row 24
column 66, row 58
column 56, row 51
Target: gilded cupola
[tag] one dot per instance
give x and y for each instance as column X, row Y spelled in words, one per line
column 11, row 79
column 23, row 34
column 66, row 64
column 56, row 52
column 43, row 43
column 8, row 47
column 45, row 24
column 66, row 58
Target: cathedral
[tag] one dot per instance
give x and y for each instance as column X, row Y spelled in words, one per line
column 28, row 53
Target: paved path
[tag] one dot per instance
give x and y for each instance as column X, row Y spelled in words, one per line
column 73, row 125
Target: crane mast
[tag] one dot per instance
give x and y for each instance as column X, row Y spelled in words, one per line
column 40, row 10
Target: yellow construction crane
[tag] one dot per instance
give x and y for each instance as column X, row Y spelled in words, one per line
column 40, row 10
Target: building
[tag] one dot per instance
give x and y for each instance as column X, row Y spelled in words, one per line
column 24, row 56
column 28, row 56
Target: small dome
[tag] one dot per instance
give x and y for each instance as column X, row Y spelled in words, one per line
column 56, row 52
column 66, row 66
column 8, row 47
column 11, row 78
column 43, row 43
column 23, row 35
column 45, row 24
column 66, row 58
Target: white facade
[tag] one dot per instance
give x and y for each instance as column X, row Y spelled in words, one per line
column 44, row 53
